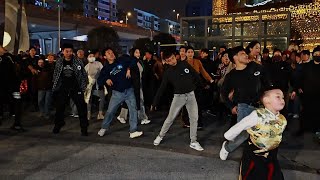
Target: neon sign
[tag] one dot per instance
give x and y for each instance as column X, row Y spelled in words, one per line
column 258, row 4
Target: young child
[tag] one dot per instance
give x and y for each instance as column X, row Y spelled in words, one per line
column 265, row 127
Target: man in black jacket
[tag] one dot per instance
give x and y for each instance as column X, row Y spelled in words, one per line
column 245, row 83
column 10, row 87
column 184, row 79
column 69, row 81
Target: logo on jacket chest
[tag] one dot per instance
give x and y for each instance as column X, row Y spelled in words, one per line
column 185, row 71
column 257, row 73
column 116, row 69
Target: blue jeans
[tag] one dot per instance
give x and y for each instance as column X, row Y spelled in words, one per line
column 44, row 101
column 243, row 111
column 116, row 99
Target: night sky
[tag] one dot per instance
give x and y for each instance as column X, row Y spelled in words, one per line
column 162, row 8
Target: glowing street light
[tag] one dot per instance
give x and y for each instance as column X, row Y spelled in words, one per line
column 128, row 15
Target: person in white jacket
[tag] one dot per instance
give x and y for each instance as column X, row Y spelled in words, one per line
column 93, row 69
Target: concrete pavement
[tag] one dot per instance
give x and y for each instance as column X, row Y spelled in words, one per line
column 38, row 154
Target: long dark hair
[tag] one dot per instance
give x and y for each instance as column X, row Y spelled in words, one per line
column 251, row 45
column 132, row 50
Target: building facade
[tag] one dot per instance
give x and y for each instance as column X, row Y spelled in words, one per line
column 101, row 9
column 170, row 27
column 146, row 20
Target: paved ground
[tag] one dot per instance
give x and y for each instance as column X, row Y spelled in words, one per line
column 38, row 154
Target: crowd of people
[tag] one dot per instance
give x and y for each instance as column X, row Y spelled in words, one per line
column 255, row 91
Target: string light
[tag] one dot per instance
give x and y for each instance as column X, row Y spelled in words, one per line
column 305, row 20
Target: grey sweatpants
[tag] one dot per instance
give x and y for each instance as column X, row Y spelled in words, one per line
column 180, row 100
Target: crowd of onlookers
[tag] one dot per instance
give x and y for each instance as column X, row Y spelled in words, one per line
column 295, row 72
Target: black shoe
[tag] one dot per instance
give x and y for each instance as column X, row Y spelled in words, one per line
column 17, row 128
column 299, row 133
column 57, row 128
column 84, row 132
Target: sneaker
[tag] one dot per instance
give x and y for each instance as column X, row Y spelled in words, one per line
column 186, row 126
column 57, row 128
column 157, row 141
column 195, row 145
column 40, row 115
column 71, row 115
column 122, row 120
column 223, row 152
column 296, row 116
column 145, row 121
column 100, row 117
column 102, row 132
column 84, row 132
column 200, row 127
column 76, row 116
column 17, row 128
column 136, row 134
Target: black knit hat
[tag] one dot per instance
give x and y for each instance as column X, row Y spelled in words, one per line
column 268, row 87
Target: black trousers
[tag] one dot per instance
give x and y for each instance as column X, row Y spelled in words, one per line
column 259, row 166
column 310, row 120
column 62, row 99
column 6, row 98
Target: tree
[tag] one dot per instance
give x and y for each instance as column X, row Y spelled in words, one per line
column 103, row 37
column 143, row 44
column 165, row 38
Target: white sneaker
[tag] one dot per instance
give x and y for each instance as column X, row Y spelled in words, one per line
column 100, row 116
column 136, row 134
column 145, row 121
column 76, row 116
column 157, row 141
column 223, row 152
column 122, row 120
column 195, row 145
column 102, row 132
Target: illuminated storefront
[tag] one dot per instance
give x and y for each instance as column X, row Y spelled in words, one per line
column 272, row 27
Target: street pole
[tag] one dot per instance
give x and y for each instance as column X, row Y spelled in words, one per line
column 59, row 26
